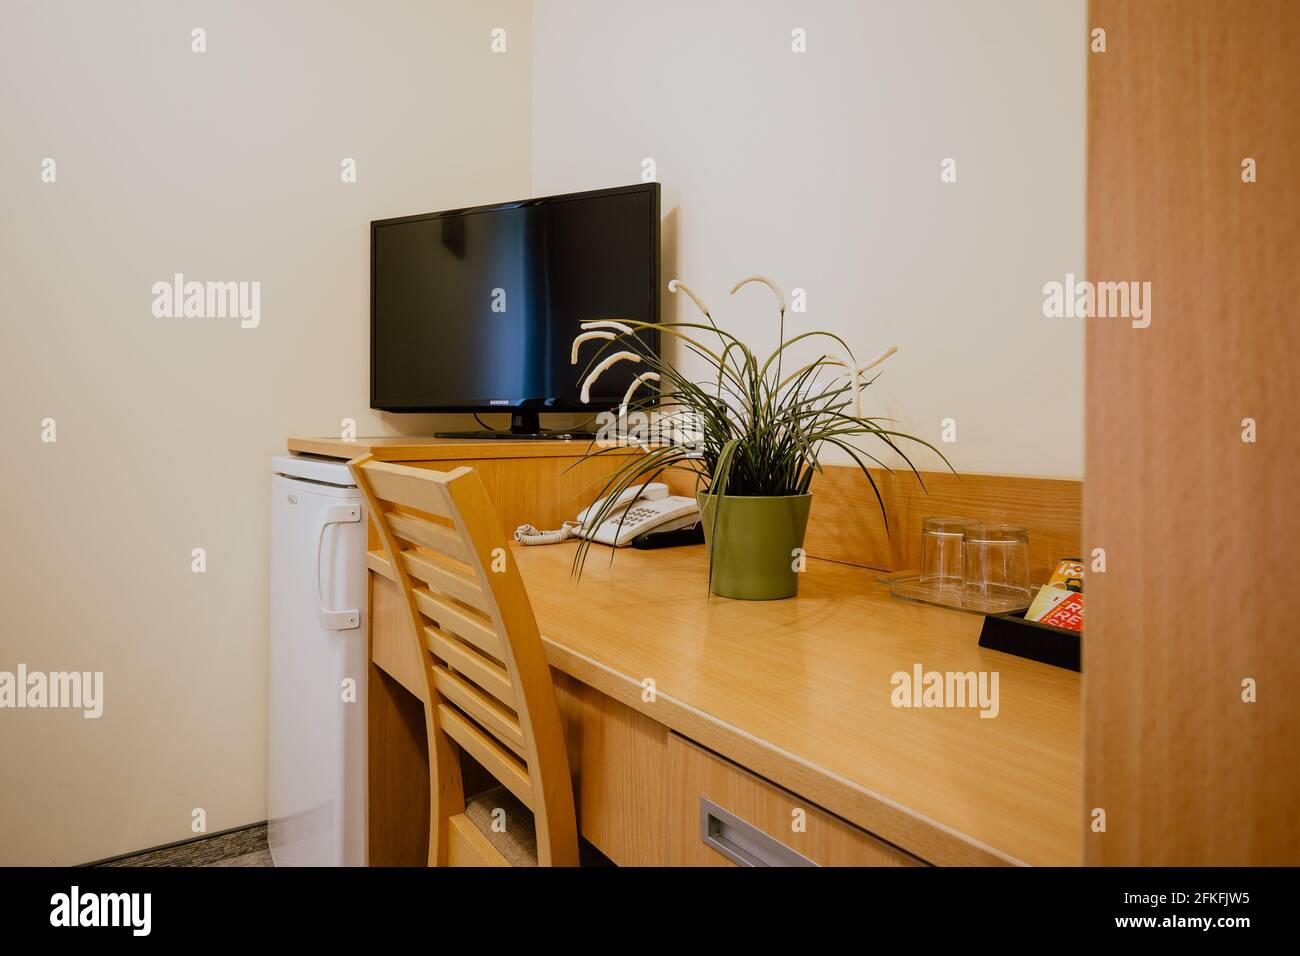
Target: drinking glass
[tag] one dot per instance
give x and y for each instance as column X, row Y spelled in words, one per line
column 996, row 562
column 941, row 552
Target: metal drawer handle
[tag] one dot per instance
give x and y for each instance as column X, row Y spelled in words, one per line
column 742, row 842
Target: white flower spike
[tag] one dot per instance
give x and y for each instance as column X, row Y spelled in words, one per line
column 599, row 369
column 776, row 289
column 878, row 359
column 677, row 285
column 638, row 382
column 587, row 337
column 608, row 324
column 855, row 374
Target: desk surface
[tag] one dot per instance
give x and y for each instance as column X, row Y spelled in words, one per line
column 800, row 692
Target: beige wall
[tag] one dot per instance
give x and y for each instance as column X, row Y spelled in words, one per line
column 224, row 166
column 822, row 169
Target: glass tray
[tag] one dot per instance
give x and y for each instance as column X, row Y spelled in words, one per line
column 907, row 586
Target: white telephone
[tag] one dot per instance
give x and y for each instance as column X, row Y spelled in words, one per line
column 636, row 511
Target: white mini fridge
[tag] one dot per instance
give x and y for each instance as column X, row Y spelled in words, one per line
column 316, row 751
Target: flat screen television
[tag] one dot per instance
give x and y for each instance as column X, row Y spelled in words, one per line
column 475, row 310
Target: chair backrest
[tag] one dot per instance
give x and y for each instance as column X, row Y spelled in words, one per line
column 489, row 687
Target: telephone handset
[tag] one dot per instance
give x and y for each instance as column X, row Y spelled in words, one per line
column 636, row 511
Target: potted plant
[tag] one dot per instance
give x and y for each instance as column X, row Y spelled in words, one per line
column 751, row 434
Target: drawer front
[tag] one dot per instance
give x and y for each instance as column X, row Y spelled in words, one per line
column 618, row 759
column 723, row 815
column 392, row 647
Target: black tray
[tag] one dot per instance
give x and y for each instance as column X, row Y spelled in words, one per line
column 1012, row 634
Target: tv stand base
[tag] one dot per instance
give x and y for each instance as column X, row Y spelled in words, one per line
column 524, row 426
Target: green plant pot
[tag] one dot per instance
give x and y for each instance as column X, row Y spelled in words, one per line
column 753, row 556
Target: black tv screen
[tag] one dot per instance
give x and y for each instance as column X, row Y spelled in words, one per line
column 476, row 309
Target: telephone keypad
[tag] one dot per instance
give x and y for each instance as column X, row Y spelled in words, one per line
column 637, row 515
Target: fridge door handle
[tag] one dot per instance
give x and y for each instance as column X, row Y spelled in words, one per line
column 347, row 619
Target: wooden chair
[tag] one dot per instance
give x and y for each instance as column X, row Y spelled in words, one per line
column 488, row 685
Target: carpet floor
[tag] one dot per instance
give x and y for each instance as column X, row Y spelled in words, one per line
column 246, row 847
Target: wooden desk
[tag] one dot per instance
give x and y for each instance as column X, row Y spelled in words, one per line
column 784, row 706
column 797, row 692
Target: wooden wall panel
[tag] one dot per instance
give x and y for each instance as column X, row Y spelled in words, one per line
column 546, row 483
column 1200, row 529
column 542, row 492
column 846, row 526
column 541, row 483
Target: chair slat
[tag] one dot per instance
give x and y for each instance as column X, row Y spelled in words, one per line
column 501, row 722
column 497, row 761
column 425, row 533
column 489, row 676
column 466, row 625
column 446, row 580
column 376, row 561
column 469, row 847
column 394, row 483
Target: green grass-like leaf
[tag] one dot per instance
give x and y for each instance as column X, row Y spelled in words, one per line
column 761, row 435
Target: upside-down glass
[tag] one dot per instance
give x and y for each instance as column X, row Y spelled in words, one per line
column 996, row 561
column 941, row 553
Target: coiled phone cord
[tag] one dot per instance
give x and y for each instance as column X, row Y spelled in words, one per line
column 527, row 534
